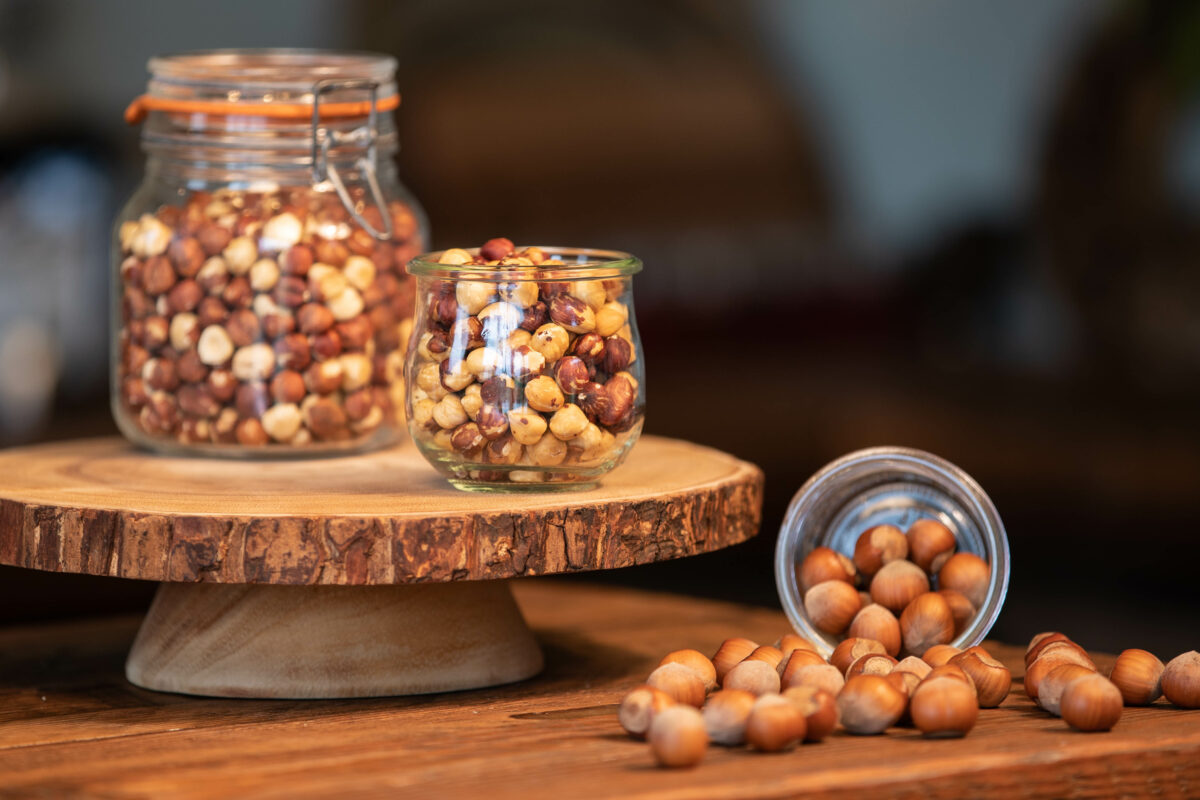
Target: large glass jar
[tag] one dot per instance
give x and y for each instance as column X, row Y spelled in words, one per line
column 260, row 303
column 525, row 370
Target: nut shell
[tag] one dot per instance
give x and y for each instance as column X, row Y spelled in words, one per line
column 680, row 683
column 819, row 708
column 966, row 573
column 1091, row 703
column 819, row 676
column 697, row 662
column 869, row 705
column 925, row 622
column 992, row 679
column 824, row 564
column 775, row 724
column 930, row 544
column 897, row 584
column 1138, row 676
column 1041, row 640
column 637, row 709
column 850, row 650
column 944, row 707
column 871, row 664
column 767, row 654
column 940, row 654
column 1181, row 680
column 731, row 653
column 725, row 714
column 756, row 677
column 1055, row 683
column 877, row 546
column 831, row 605
column 878, row 623
column 1040, row 668
column 677, row 737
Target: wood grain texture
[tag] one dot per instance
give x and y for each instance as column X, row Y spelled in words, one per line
column 229, row 640
column 104, row 508
column 70, row 726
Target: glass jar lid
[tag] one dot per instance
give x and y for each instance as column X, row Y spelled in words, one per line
column 889, row 486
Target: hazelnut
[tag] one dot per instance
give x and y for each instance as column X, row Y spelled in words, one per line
column 347, row 305
column 725, row 714
column 314, row 318
column 150, row 238
column 187, row 255
column 1041, row 667
column 264, row 274
column 359, row 272
column 940, row 654
column 492, row 421
column 474, row 296
column 224, row 428
column 422, row 413
column 184, row 330
column 569, row 421
column 767, row 654
column 159, row 373
column 589, row 348
column 1051, row 689
column 157, row 275
column 429, row 380
column 455, row 375
column 756, row 677
column 449, row 413
column 966, row 573
column 960, row 608
column 543, row 394
column 289, row 292
column 483, row 362
column 877, row 546
column 1181, row 680
column 466, row 333
column 253, row 362
column 638, row 708
column 520, row 338
column 679, row 682
column 213, row 238
column 820, row 676
column 591, row 292
column 526, row 425
column 930, row 544
column 250, row 432
column 292, row 352
column 535, row 317
column 926, row 621
column 914, row 666
column 467, row 438
column 213, row 276
column 819, row 708
column 551, row 340
column 243, row 327
column 237, row 293
column 618, row 355
column 282, row 231
column 281, row 421
column 356, row 371
column 455, row 256
column 621, row 393
column 832, row 605
column 791, row 641
column 499, row 390
column 1137, row 674
column 190, row 367
column 288, row 387
column 572, row 375
column 944, row 707
column 897, row 584
column 697, row 662
column 523, row 294
column 850, row 650
column 871, row 664
column 1040, row 641
column 731, row 653
column 795, row 660
column 359, row 405
column 355, row 333
column 775, row 724
column 876, row 622
column 214, row 346
column 240, row 254
column 868, row 704
column 126, row 234
column 824, row 564
column 1091, row 703
column 572, row 313
column 677, row 737
column 548, row 451
column 526, row 364
column 992, row 679
column 222, row 384
column 298, row 260
column 184, row 296
column 504, row 450
column 496, row 249
column 610, row 318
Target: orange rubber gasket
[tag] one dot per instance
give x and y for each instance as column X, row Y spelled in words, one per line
column 144, row 104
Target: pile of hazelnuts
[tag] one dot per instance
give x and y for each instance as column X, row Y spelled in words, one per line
column 263, row 318
column 772, row 697
column 1061, row 677
column 524, row 379
column 897, row 570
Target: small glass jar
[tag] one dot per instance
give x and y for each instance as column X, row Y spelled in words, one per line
column 889, row 486
column 260, row 303
column 527, row 372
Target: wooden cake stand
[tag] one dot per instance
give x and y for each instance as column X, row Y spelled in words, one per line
column 347, row 577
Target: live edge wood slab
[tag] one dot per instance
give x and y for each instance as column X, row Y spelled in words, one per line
column 71, row 726
column 347, row 577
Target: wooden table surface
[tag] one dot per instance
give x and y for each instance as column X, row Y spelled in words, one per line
column 71, row 726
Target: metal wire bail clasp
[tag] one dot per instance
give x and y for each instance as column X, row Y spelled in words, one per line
column 323, row 139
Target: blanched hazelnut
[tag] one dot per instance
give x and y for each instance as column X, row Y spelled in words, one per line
column 360, row 272
column 429, row 379
column 455, row 256
column 520, row 293
column 551, row 340
column 184, row 331
column 483, row 362
column 240, row 254
column 213, row 275
column 347, row 305
column 610, row 318
column 282, row 231
column 422, row 412
column 264, row 274
column 254, row 362
column 548, row 451
column 455, row 375
column 543, row 394
column 150, row 238
column 126, row 234
column 449, row 413
column 590, row 292
column 504, row 450
column 568, row 422
column 831, row 605
column 897, row 583
column 473, row 296
column 526, row 364
column 214, row 346
column 824, row 564
column 281, row 421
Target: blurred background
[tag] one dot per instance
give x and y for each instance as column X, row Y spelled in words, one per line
column 957, row 225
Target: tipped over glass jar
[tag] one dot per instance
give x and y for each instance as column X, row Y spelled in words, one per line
column 260, row 303
column 894, row 545
column 525, row 369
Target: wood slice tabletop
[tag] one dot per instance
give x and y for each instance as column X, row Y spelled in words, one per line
column 103, row 507
column 71, row 726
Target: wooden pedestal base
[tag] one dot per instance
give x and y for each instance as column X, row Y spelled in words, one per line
column 239, row 640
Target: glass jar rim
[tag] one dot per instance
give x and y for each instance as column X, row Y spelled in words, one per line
column 294, row 68
column 894, row 464
column 588, row 264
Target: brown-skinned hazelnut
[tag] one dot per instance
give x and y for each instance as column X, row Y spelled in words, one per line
column 250, row 432
column 496, row 249
column 314, row 318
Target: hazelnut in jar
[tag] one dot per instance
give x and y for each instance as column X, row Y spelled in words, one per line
column 261, row 305
column 524, row 368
